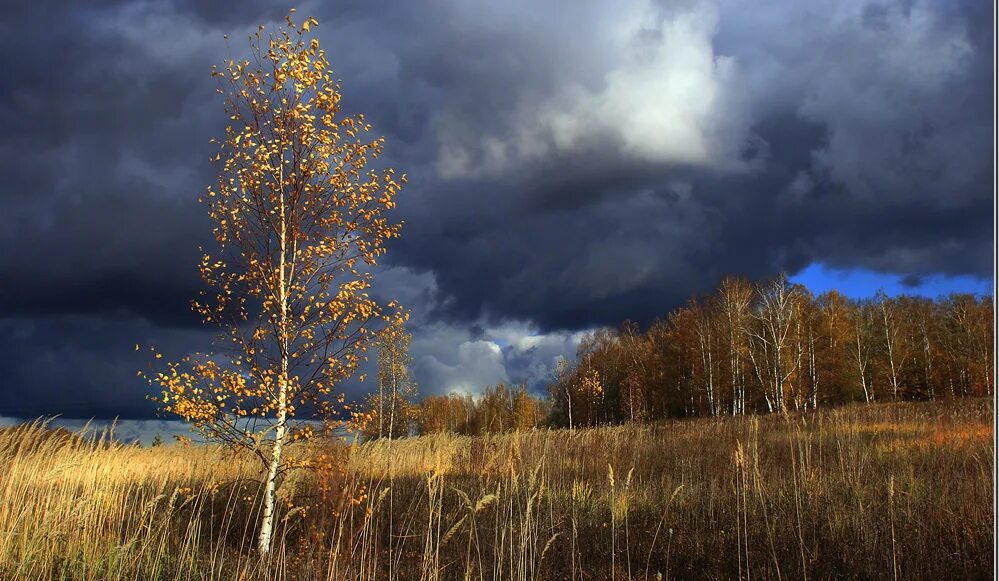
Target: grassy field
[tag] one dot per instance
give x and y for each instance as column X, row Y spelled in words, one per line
column 884, row 491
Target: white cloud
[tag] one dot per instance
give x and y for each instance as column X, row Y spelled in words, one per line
column 662, row 100
column 449, row 359
column 665, row 96
column 467, row 357
column 476, row 365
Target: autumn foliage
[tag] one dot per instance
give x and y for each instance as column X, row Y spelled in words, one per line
column 499, row 409
column 776, row 347
column 390, row 411
column 301, row 217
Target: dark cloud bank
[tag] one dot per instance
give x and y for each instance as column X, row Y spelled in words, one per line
column 568, row 168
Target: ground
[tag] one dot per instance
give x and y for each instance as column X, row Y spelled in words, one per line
column 881, row 491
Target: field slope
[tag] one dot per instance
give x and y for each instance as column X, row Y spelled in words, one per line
column 882, row 491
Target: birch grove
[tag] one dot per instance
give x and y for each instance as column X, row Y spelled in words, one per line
column 775, row 347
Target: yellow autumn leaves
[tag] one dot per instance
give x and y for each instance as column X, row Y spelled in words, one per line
column 300, row 220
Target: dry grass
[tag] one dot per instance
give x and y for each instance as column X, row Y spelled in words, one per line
column 887, row 491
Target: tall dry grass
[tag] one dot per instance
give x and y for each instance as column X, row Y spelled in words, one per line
column 886, row 491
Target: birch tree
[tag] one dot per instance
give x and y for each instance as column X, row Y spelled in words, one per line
column 397, row 387
column 834, row 350
column 638, row 350
column 770, row 335
column 300, row 218
column 734, row 297
column 896, row 349
column 807, row 320
column 971, row 332
column 560, row 390
column 705, row 326
column 862, row 348
column 922, row 313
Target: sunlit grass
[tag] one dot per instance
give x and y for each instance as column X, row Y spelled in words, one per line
column 864, row 491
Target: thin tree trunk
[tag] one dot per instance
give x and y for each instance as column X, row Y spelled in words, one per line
column 270, row 485
column 707, row 366
column 395, row 390
column 737, row 408
column 813, row 369
column 862, row 368
column 928, row 365
column 890, row 346
column 381, row 403
column 568, row 403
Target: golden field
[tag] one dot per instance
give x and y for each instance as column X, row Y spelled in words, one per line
column 882, row 491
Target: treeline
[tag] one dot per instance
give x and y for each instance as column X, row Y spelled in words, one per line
column 772, row 347
column 499, row 409
column 776, row 347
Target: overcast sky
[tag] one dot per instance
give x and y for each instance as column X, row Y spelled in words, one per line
column 569, row 168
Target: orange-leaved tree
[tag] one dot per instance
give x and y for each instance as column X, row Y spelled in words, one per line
column 392, row 409
column 300, row 219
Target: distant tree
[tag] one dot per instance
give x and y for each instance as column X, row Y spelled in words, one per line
column 772, row 354
column 591, row 396
column 863, row 333
column 434, row 415
column 495, row 409
column 895, row 347
column 706, row 330
column 560, row 392
column 834, row 350
column 923, row 318
column 682, row 351
column 775, row 346
column 300, row 218
column 664, row 391
column 528, row 411
column 638, row 363
column 733, row 299
column 391, row 410
column 499, row 409
column 968, row 320
column 807, row 326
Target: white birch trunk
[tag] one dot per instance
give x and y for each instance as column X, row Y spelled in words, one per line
column 265, row 537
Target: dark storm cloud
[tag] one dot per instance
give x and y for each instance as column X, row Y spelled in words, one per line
column 854, row 134
column 569, row 168
column 82, row 366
